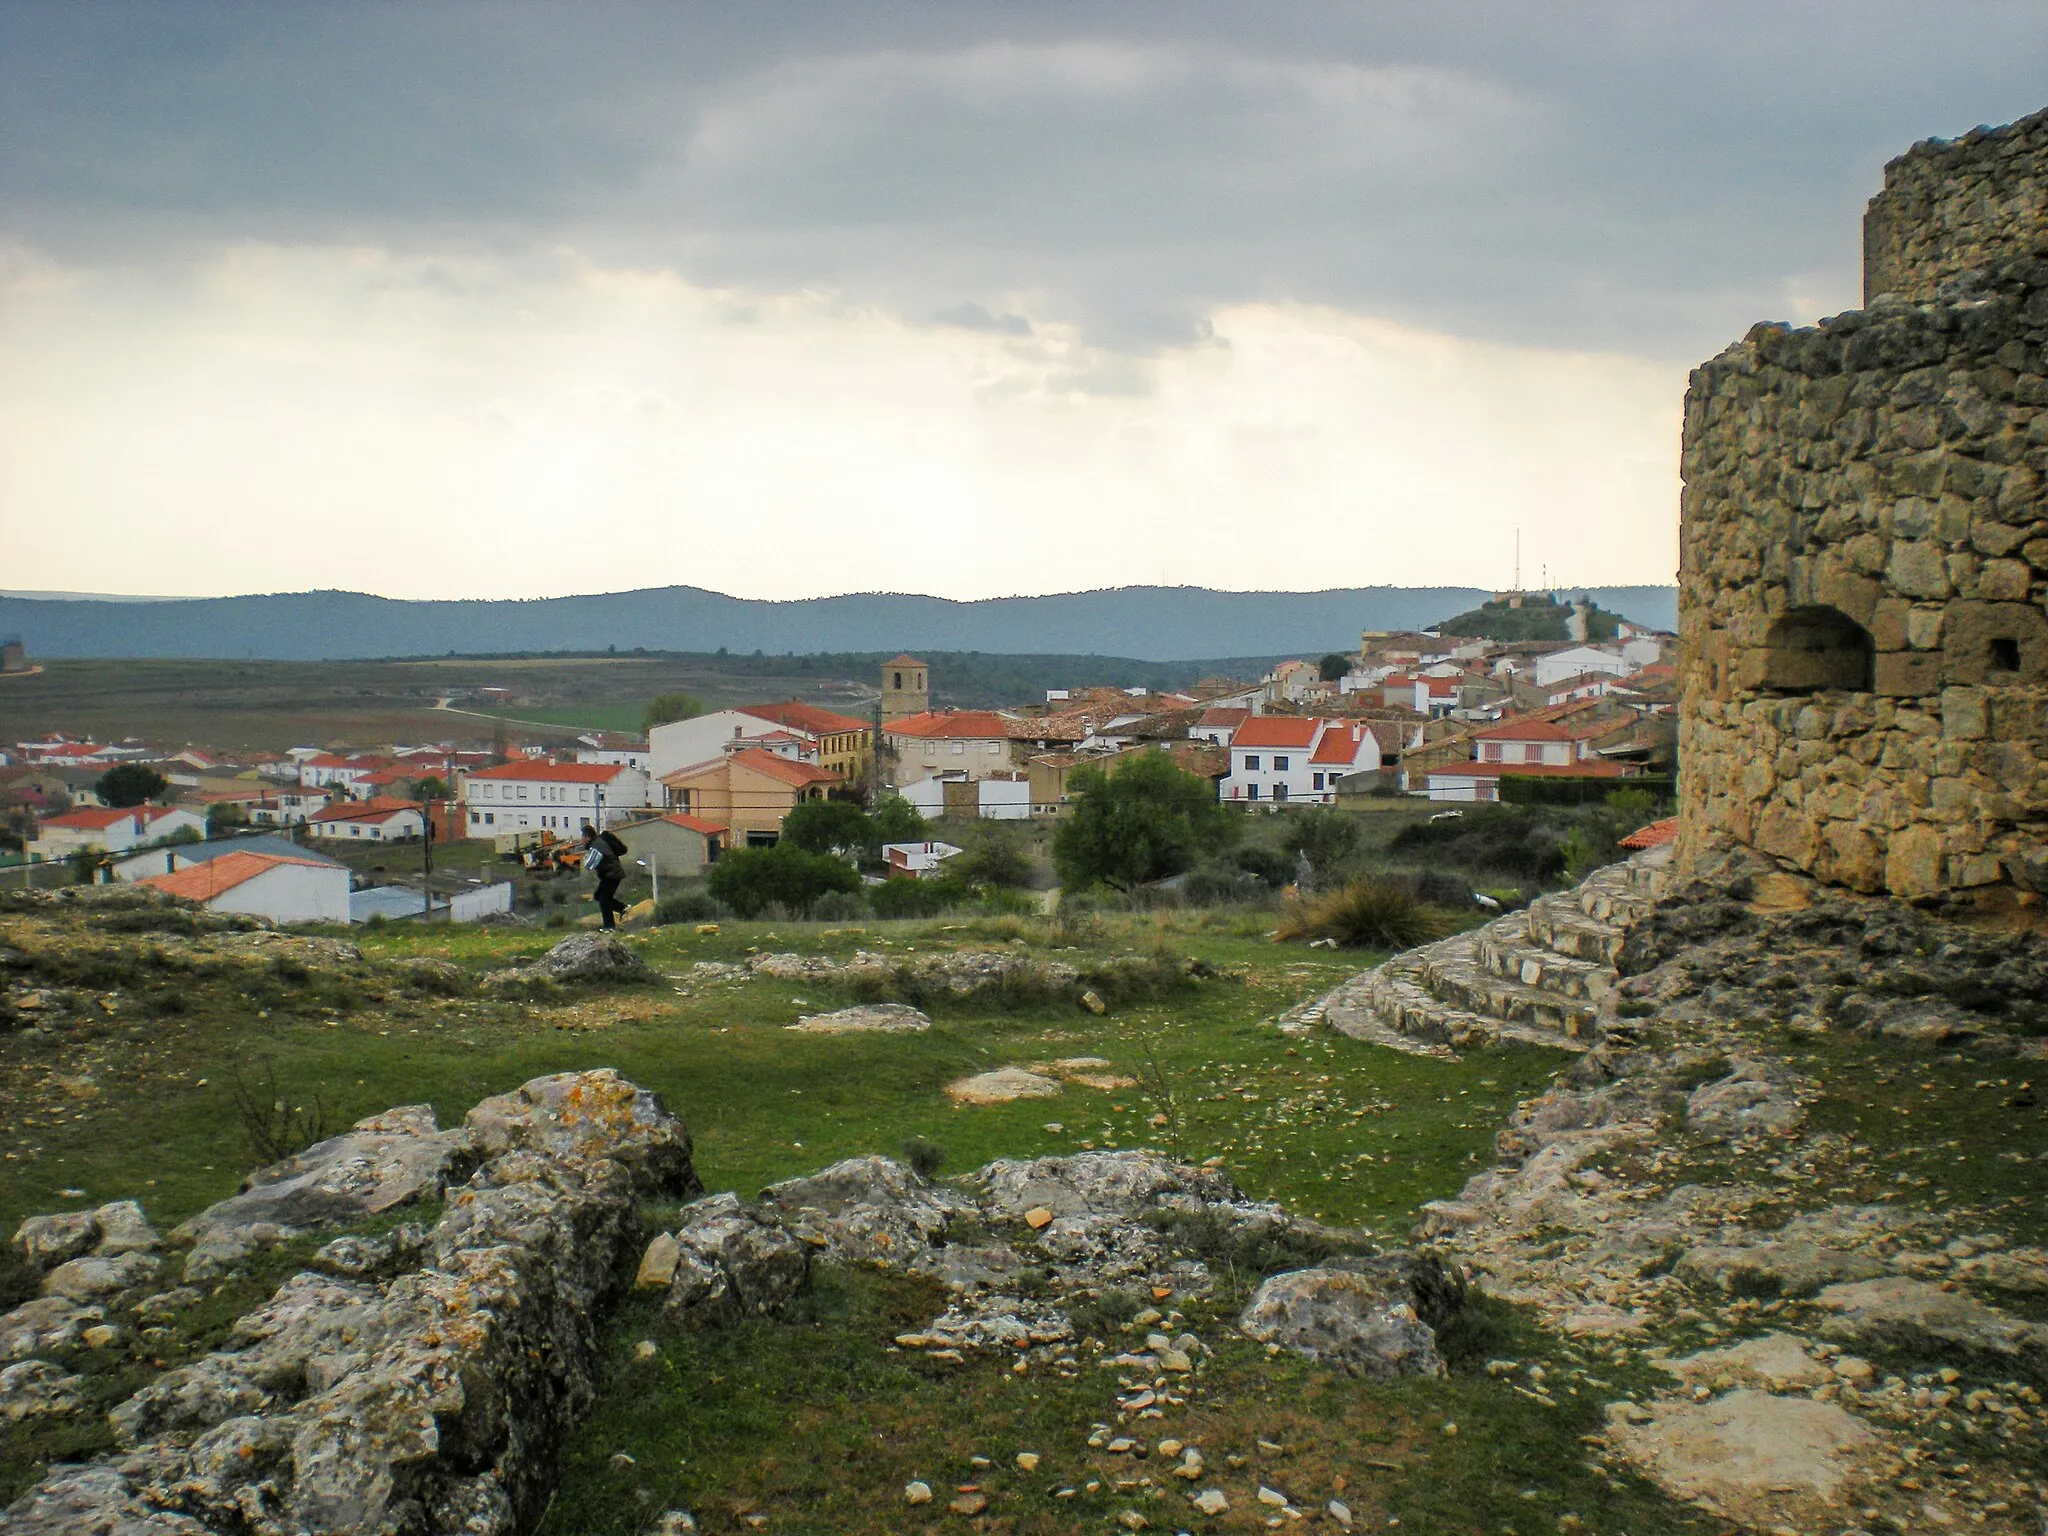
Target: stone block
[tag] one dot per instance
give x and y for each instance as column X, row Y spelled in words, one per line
column 1917, row 568
column 1997, row 643
column 1908, row 674
column 1913, row 862
column 1923, row 626
column 1962, row 714
column 2005, row 581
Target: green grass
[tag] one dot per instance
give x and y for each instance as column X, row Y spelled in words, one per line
column 787, row 1417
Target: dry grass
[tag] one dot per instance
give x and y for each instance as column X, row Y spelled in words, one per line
column 1364, row 915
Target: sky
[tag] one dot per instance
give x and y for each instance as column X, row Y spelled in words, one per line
column 516, row 299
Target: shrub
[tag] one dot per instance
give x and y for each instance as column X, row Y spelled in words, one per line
column 1326, row 838
column 994, row 856
column 926, row 1158
column 751, row 880
column 1509, row 838
column 1370, row 914
column 908, row 898
column 1144, row 822
column 1271, row 865
column 828, row 826
column 689, row 907
column 129, row 784
column 840, row 907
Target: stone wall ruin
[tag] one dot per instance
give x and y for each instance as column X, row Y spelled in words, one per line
column 1864, row 554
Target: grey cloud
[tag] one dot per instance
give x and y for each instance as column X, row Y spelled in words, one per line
column 1627, row 176
column 969, row 316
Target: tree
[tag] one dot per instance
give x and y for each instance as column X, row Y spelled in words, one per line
column 1326, row 837
column 896, row 821
column 1333, row 666
column 748, row 880
column 128, row 784
column 666, row 708
column 994, row 855
column 431, row 788
column 224, row 816
column 1146, row 821
column 828, row 826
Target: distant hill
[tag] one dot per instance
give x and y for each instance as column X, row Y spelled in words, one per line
column 1152, row 623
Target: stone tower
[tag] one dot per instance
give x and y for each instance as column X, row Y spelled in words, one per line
column 905, row 690
column 1863, row 568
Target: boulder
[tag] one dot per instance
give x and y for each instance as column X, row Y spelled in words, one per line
column 1366, row 1319
column 577, row 1116
column 123, row 1229
column 35, row 1389
column 864, row 1209
column 48, row 1323
column 731, row 1263
column 1749, row 1101
column 1124, row 1185
column 386, row 1160
column 47, row 1241
column 870, row 1018
column 93, row 1278
column 1776, row 1362
column 581, row 959
column 1001, row 1086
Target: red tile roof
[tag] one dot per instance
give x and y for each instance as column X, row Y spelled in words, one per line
column 788, row 771
column 1341, row 742
column 695, row 824
column 1655, row 835
column 200, row 882
column 554, row 773
column 809, row 718
column 1524, row 729
column 953, row 725
column 379, row 809
column 1592, row 768
column 1276, row 731
column 1225, row 717
column 100, row 819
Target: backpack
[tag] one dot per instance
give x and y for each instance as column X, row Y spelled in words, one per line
column 613, row 841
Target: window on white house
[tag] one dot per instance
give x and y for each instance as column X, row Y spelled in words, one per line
column 1251, row 791
column 1251, row 764
column 1279, row 765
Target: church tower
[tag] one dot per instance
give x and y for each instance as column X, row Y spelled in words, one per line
column 905, row 690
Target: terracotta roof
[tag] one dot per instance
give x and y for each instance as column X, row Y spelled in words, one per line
column 1655, row 835
column 99, row 820
column 1276, row 731
column 379, row 809
column 1341, row 742
column 201, row 882
column 695, row 824
column 953, row 725
column 554, row 773
column 903, row 661
column 809, row 718
column 1230, row 717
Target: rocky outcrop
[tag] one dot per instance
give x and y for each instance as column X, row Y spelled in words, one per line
column 1372, row 1318
column 586, row 959
column 868, row 1018
column 430, row 1402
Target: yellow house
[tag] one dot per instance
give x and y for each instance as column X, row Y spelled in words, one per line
column 748, row 791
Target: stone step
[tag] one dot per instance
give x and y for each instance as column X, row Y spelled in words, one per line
column 1536, row 965
column 1560, row 925
column 1611, row 895
column 1454, row 974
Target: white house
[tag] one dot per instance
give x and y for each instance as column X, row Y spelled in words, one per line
column 371, row 821
column 1575, row 660
column 289, row 804
column 114, row 831
column 802, row 732
column 1291, row 759
column 533, row 796
column 916, row 859
column 1217, row 725
column 172, row 857
column 974, row 741
column 330, row 771
column 618, row 751
column 284, row 890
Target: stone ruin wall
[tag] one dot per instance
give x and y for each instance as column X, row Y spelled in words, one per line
column 1864, row 554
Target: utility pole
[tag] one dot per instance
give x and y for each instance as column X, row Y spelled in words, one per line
column 427, row 860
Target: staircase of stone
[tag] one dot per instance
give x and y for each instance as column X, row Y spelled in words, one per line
column 1538, row 976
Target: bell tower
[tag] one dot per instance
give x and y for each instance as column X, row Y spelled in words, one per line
column 905, row 689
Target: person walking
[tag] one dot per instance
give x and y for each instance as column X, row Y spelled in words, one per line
column 601, row 852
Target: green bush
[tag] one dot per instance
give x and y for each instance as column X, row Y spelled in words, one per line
column 840, row 907
column 1144, row 822
column 689, row 907
column 1511, row 839
column 828, row 826
column 752, row 880
column 1563, row 790
column 1326, row 837
column 900, row 897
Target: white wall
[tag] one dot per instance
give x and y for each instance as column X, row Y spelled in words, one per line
column 686, row 743
column 399, row 824
column 290, row 893
column 1580, row 658
column 475, row 901
column 492, row 806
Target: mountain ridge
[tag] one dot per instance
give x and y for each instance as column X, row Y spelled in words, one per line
column 1145, row 622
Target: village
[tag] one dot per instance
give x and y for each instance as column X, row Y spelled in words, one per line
column 455, row 830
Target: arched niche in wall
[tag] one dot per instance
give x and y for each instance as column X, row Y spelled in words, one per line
column 1811, row 649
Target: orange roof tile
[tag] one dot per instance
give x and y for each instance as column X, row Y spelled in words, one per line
column 808, row 718
column 1341, row 742
column 378, row 809
column 1276, row 731
column 201, row 882
column 1655, row 835
column 953, row 725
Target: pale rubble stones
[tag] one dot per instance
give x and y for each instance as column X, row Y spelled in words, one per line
column 1776, row 1267
column 658, row 1263
column 1776, row 1362
column 43, row 1325
column 917, row 1491
column 866, row 1208
column 115, row 1228
column 1750, row 1099
column 1748, row 1455
column 35, row 1389
column 1003, row 1085
column 74, row 1500
column 1912, row 1314
column 1210, row 1501
column 2023, row 1271
column 1362, row 1324
column 869, row 1018
column 732, row 1263
column 574, row 1116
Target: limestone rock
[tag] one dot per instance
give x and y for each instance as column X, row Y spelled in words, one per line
column 384, row 1161
column 47, row 1241
column 35, row 1389
column 1776, row 1362
column 1748, row 1455
column 1364, row 1322
column 1913, row 1315
column 1745, row 1101
column 43, row 1325
column 866, row 1208
column 581, row 959
column 1001, row 1086
column 869, row 1018
column 1112, row 1184
column 93, row 1278
column 1773, row 1268
column 576, row 1116
column 657, row 1263
column 733, row 1263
